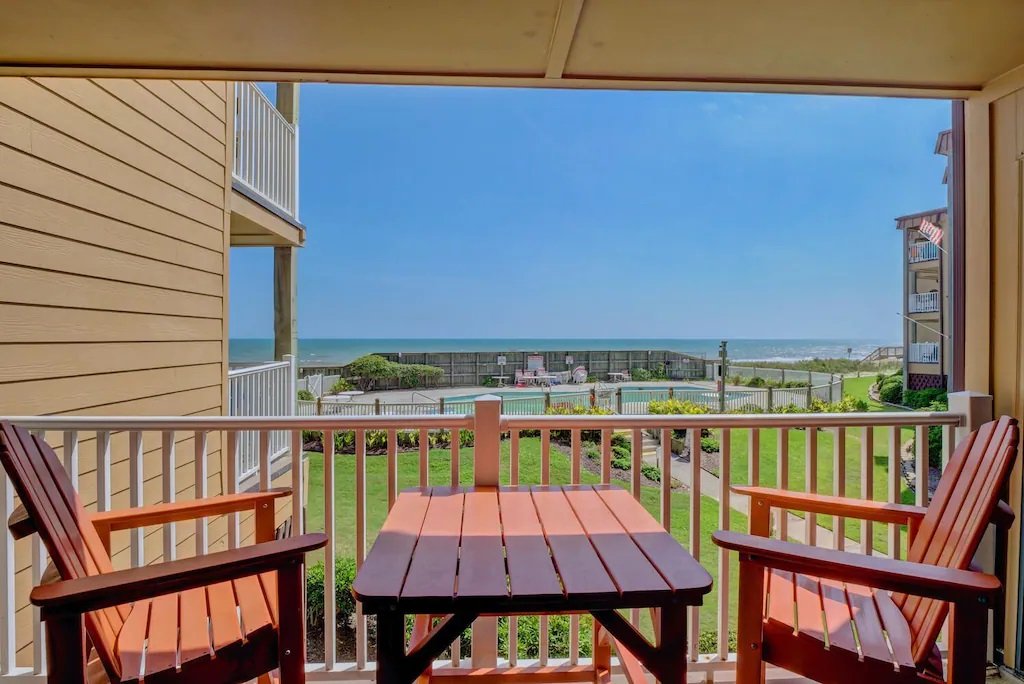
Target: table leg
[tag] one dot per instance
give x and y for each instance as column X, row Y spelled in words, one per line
column 672, row 645
column 391, row 648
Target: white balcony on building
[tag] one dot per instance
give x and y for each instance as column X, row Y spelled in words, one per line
column 923, row 352
column 923, row 251
column 924, row 302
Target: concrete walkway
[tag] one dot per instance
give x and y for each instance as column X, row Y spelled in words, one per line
column 711, row 486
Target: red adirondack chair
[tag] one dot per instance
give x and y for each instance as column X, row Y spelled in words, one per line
column 169, row 622
column 843, row 617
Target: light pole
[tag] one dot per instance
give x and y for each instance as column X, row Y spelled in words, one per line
column 723, row 356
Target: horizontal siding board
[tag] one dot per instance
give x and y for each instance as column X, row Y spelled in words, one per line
column 43, row 215
column 203, row 94
column 186, row 105
column 68, row 153
column 30, row 173
column 41, row 361
column 23, row 285
column 46, row 324
column 40, row 397
column 50, row 109
column 160, row 112
column 108, row 108
column 44, row 251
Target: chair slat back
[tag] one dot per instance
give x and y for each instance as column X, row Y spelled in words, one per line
column 959, row 512
column 62, row 523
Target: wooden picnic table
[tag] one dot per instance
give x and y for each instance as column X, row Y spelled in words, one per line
column 461, row 553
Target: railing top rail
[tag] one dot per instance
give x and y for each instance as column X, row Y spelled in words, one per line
column 209, row 423
column 246, row 370
column 737, row 420
column 374, row 422
column 266, row 100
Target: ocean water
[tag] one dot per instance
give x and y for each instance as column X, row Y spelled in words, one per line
column 341, row 351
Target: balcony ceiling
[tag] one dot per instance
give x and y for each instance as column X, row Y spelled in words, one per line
column 913, row 46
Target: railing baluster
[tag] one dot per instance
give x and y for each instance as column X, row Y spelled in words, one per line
column 264, row 463
column 782, row 480
column 456, row 436
column 39, row 561
column 665, row 468
column 545, row 457
column 894, row 476
column 921, row 465
column 754, row 457
column 513, row 457
column 948, row 443
column 103, row 470
column 424, row 445
column 867, row 486
column 8, row 569
column 135, row 493
column 724, row 468
column 392, row 465
column 330, row 589
column 298, row 486
column 637, row 463
column 575, row 455
column 606, row 456
column 200, row 443
column 811, row 478
column 693, row 434
column 232, row 483
column 168, row 482
column 71, row 456
column 839, row 485
column 360, row 449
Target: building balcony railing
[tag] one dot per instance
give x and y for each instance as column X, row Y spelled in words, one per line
column 350, row 492
column 924, row 302
column 266, row 150
column 923, row 352
column 923, row 251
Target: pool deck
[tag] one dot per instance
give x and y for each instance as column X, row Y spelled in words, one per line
column 433, row 394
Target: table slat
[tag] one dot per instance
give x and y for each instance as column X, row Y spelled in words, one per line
column 577, row 562
column 383, row 572
column 436, row 556
column 628, row 567
column 530, row 570
column 676, row 566
column 482, row 564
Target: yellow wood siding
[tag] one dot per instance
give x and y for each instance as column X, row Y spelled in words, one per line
column 113, row 272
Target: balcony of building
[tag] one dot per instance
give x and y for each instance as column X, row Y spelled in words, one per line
column 924, row 302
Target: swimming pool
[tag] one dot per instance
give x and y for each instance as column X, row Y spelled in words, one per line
column 634, row 399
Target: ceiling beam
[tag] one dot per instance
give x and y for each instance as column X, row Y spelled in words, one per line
column 561, row 37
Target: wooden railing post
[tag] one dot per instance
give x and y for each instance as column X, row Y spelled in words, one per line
column 771, row 402
column 618, row 401
column 376, row 406
column 593, row 397
column 486, row 469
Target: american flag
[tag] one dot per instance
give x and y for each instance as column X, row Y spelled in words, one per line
column 931, row 231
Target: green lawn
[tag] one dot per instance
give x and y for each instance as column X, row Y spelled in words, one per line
column 529, row 473
column 439, row 469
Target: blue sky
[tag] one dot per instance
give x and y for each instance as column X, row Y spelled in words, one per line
column 466, row 212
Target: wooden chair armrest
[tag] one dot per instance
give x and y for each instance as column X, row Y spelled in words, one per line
column 94, row 592
column 918, row 579
column 157, row 514
column 862, row 509
column 21, row 523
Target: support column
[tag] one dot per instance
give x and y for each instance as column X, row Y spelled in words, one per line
column 486, row 473
column 286, row 334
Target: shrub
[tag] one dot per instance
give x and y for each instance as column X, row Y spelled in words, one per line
column 651, row 472
column 565, row 436
column 847, row 404
column 917, row 399
column 417, row 374
column 344, row 573
column 890, row 389
column 371, row 368
column 305, row 395
column 341, row 385
column 707, row 642
column 709, row 445
column 642, row 374
column 676, row 407
column 756, row 382
column 528, row 636
column 748, row 408
column 621, row 439
column 591, row 377
column 620, row 451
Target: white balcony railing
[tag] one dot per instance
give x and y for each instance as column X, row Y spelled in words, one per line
column 923, row 251
column 923, row 352
column 264, row 390
column 266, row 150
column 924, row 302
column 354, row 491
